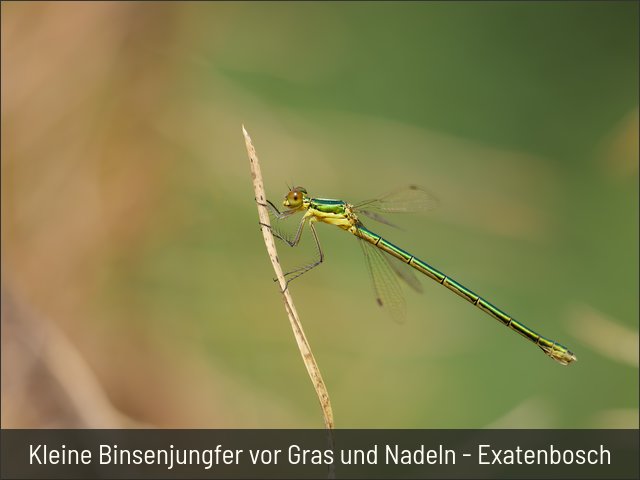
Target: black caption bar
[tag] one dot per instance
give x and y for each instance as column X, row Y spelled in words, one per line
column 215, row 454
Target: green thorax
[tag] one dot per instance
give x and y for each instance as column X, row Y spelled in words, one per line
column 327, row 205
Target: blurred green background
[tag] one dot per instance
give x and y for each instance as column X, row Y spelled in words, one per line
column 136, row 286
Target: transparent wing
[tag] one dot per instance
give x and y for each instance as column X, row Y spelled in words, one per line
column 402, row 270
column 385, row 283
column 410, row 199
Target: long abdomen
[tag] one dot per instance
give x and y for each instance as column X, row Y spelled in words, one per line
column 555, row 350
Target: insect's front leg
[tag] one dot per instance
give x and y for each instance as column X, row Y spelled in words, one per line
column 273, row 210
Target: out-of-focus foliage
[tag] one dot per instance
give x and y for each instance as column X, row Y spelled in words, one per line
column 136, row 288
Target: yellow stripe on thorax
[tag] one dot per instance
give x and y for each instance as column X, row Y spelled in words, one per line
column 336, row 219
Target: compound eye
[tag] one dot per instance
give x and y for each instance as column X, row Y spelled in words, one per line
column 294, row 198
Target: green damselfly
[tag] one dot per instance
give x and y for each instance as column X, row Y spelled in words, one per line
column 384, row 269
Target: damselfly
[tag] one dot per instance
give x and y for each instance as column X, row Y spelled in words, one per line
column 384, row 269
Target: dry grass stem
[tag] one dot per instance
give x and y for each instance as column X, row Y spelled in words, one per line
column 298, row 332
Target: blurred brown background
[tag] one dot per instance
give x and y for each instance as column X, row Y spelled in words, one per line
column 135, row 286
